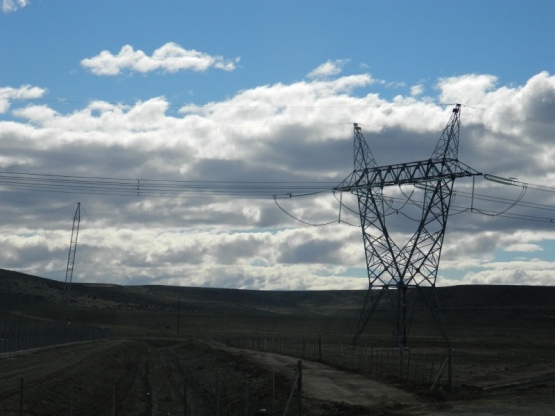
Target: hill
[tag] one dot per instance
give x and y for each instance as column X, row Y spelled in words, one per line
column 160, row 309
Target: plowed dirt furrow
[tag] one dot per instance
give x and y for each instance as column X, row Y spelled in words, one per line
column 166, row 394
column 77, row 377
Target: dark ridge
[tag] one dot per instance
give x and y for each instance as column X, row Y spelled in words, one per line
column 201, row 309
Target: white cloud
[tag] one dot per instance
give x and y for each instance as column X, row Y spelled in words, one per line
column 169, row 57
column 282, row 132
column 328, row 69
column 9, row 6
column 468, row 89
column 532, row 272
column 417, row 90
column 25, row 92
column 524, row 247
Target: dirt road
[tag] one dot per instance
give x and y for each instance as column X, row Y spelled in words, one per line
column 530, row 391
column 322, row 382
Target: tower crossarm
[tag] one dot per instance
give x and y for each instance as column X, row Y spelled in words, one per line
column 405, row 173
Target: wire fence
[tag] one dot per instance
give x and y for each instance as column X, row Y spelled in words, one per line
column 223, row 397
column 419, row 367
column 18, row 335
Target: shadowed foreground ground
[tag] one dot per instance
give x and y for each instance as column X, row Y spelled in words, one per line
column 503, row 339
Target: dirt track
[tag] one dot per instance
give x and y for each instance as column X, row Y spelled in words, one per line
column 325, row 383
column 529, row 391
column 161, row 377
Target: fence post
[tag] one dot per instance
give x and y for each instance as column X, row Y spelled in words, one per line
column 114, row 399
column 247, row 397
column 21, row 399
column 408, row 366
column 273, row 392
column 292, row 392
column 184, row 398
column 450, row 369
column 300, row 387
column 218, row 398
column 415, row 379
column 37, row 335
column 71, row 401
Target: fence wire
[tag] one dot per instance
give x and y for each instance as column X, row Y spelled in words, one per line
column 420, row 367
column 19, row 334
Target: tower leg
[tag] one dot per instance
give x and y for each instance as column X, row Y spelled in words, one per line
column 371, row 302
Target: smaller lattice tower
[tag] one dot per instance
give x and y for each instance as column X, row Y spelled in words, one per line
column 71, row 262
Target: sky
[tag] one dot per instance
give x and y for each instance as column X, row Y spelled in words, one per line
column 213, row 132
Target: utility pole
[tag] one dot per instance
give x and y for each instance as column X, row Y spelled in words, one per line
column 178, row 313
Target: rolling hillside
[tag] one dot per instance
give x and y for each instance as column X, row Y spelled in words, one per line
column 155, row 309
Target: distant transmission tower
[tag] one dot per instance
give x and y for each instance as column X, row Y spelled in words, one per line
column 392, row 269
column 71, row 261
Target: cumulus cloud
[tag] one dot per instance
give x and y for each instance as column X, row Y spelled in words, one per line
column 469, row 89
column 416, row 90
column 25, row 92
column 170, row 57
column 328, row 69
column 285, row 133
column 9, row 6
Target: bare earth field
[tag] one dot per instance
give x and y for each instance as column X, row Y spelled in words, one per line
column 163, row 360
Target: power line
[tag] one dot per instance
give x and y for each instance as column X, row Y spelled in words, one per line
column 408, row 200
column 508, row 115
column 171, row 188
column 19, row 212
column 302, row 221
column 158, row 188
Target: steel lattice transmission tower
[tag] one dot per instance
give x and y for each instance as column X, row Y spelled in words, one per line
column 71, row 260
column 393, row 269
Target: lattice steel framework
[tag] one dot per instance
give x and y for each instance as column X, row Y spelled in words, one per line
column 392, row 268
column 71, row 260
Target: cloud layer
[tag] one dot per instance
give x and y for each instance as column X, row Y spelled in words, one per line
column 278, row 133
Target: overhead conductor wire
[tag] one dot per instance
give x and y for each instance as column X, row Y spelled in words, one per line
column 241, row 189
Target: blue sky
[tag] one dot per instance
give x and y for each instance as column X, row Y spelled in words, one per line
column 268, row 91
column 401, row 42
